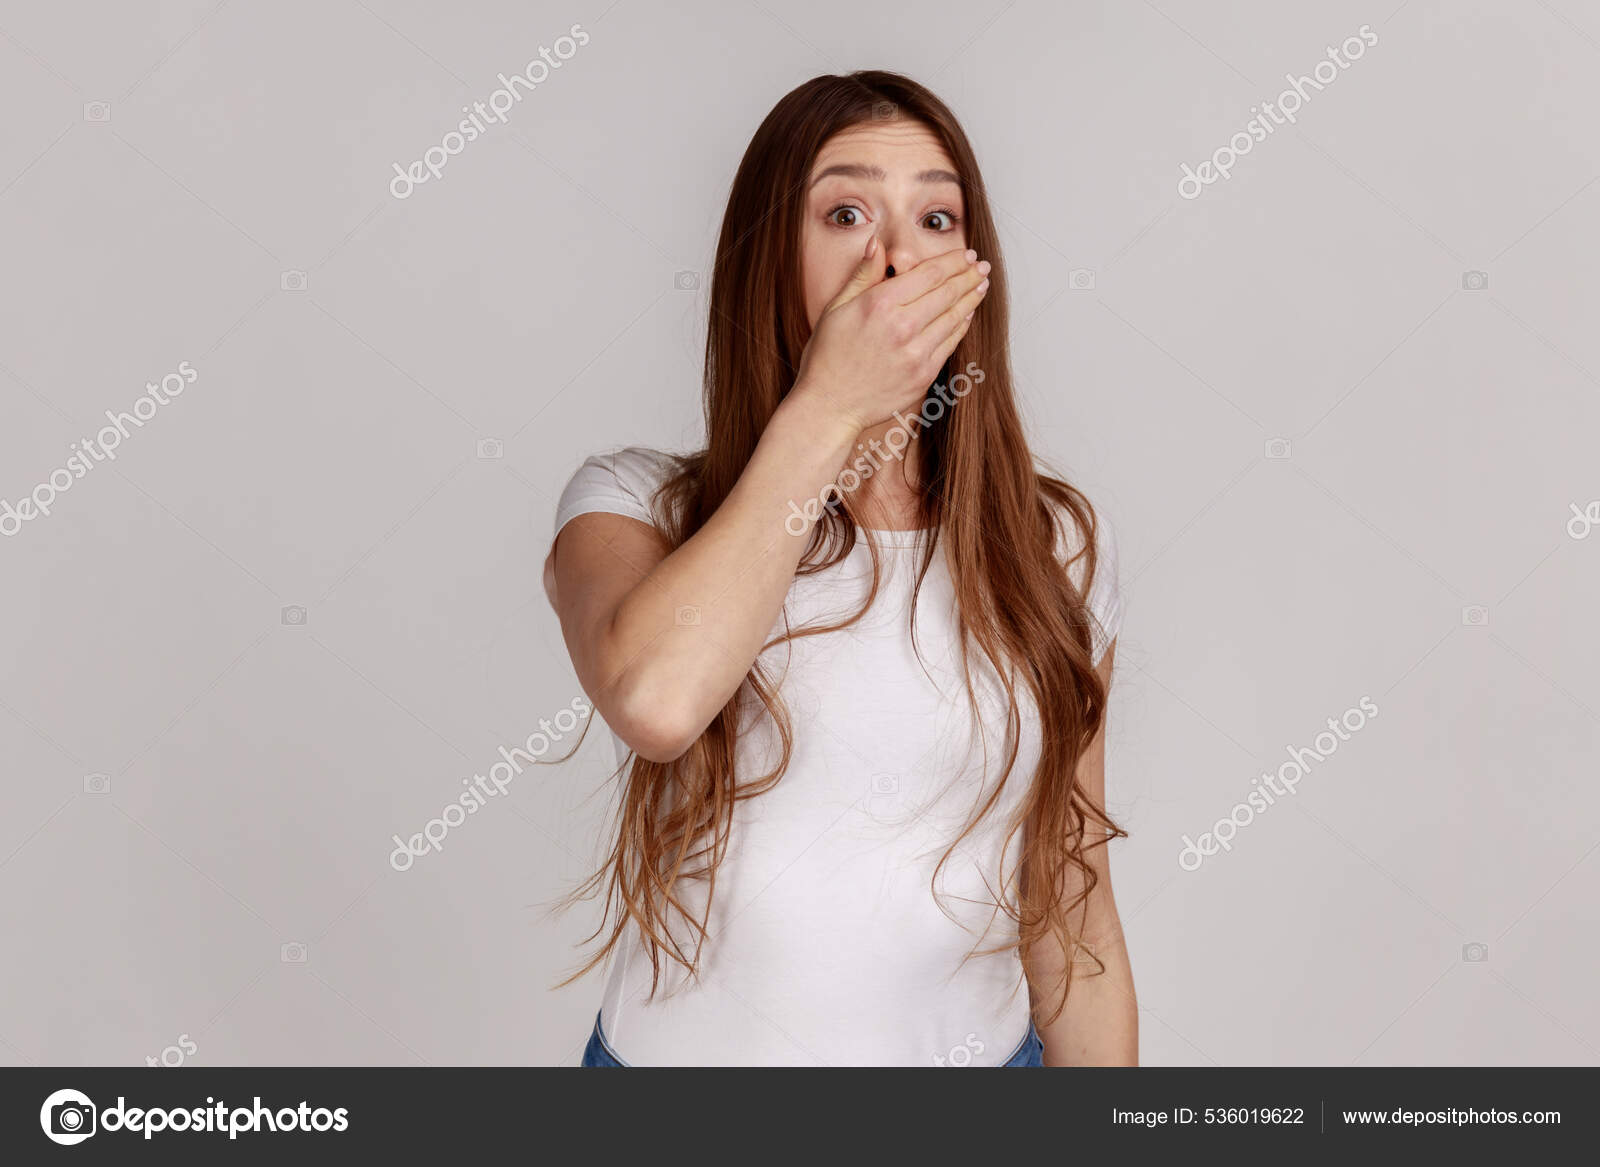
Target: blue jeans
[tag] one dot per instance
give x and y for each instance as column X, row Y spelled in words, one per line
column 599, row 1052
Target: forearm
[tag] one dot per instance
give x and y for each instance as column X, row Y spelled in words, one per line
column 685, row 637
column 1100, row 1024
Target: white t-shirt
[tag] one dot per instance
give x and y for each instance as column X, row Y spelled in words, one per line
column 827, row 946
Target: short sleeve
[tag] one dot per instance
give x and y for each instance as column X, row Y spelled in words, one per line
column 620, row 483
column 1105, row 592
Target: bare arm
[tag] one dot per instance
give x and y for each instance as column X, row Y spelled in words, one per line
column 661, row 640
column 1100, row 1024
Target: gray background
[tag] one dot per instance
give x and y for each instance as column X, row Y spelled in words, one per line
column 328, row 458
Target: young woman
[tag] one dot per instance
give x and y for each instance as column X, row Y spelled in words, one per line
column 855, row 653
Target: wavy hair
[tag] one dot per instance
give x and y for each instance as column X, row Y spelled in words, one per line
column 980, row 492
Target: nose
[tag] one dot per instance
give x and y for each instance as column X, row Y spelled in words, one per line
column 902, row 250
column 897, row 253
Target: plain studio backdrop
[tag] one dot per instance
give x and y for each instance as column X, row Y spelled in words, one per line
column 1342, row 407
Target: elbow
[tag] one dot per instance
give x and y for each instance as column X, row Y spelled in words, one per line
column 654, row 720
column 660, row 751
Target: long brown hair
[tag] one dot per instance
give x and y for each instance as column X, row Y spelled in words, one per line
column 979, row 491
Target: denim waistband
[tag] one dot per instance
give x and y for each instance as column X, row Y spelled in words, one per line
column 598, row 1052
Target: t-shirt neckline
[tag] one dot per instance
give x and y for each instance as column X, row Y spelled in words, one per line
column 895, row 536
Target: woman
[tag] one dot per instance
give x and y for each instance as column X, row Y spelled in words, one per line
column 857, row 649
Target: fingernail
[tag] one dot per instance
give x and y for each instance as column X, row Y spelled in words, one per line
column 983, row 287
column 872, row 246
column 985, row 267
column 970, row 314
column 971, row 255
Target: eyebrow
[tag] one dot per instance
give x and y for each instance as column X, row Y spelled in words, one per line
column 878, row 174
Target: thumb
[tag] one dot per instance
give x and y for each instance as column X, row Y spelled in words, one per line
column 867, row 275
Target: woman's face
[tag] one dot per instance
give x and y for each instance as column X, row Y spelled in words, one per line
column 892, row 177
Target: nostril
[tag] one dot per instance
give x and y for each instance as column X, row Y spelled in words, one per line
column 890, row 271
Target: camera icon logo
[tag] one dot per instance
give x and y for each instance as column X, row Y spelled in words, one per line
column 294, row 616
column 490, row 449
column 292, row 281
column 1081, row 279
column 1278, row 449
column 686, row 281
column 1476, row 953
column 97, row 784
column 687, row 615
column 1475, row 616
column 97, row 111
column 882, row 802
column 884, row 110
column 1474, row 281
column 961, row 1055
column 292, row 953
column 68, row 1117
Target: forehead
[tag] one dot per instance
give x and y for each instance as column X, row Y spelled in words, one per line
column 900, row 147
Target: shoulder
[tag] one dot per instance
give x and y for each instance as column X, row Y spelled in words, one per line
column 630, row 468
column 622, row 481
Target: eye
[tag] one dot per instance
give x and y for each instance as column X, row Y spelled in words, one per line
column 845, row 215
column 941, row 221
